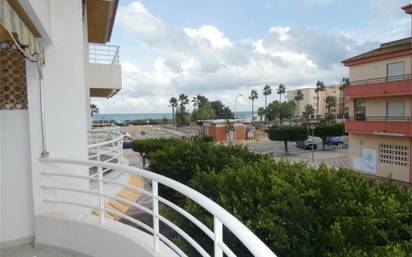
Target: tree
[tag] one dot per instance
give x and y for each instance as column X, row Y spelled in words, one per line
column 287, row 134
column 261, row 111
column 320, row 86
column 93, row 109
column 298, row 98
column 182, row 116
column 203, row 109
column 345, row 82
column 147, row 146
column 253, row 96
column 275, row 108
column 330, row 102
column 173, row 104
column 221, row 111
column 281, row 90
column 308, row 112
column 343, row 85
column 301, row 211
column 267, row 90
column 329, row 130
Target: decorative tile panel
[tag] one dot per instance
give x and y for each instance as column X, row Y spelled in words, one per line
column 13, row 88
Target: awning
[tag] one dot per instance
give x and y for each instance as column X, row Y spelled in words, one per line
column 11, row 22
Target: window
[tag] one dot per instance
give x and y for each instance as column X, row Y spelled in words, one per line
column 395, row 70
column 394, row 154
column 395, row 109
column 360, row 109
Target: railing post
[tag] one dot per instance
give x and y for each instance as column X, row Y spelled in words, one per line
column 100, row 187
column 155, row 192
column 218, row 230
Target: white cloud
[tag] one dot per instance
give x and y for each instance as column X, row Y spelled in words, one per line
column 210, row 33
column 204, row 61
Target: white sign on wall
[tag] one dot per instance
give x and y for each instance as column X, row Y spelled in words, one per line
column 369, row 160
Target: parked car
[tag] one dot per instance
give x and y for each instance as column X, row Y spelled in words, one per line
column 307, row 144
column 334, row 141
column 127, row 144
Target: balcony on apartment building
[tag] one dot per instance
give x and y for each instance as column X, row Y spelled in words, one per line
column 104, row 77
column 379, row 125
column 380, row 87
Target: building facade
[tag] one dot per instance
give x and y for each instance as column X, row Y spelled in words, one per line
column 310, row 97
column 379, row 123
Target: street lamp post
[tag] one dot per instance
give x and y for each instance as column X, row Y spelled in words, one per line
column 236, row 103
column 312, row 127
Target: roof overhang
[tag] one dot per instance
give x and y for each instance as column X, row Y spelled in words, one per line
column 103, row 92
column 407, row 8
column 349, row 63
column 100, row 19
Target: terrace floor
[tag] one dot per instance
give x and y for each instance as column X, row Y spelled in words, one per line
column 28, row 250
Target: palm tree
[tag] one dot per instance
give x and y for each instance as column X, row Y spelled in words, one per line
column 320, row 86
column 309, row 110
column 253, row 96
column 330, row 102
column 173, row 104
column 267, row 90
column 183, row 100
column 298, row 98
column 93, row 109
column 261, row 111
column 281, row 90
column 343, row 85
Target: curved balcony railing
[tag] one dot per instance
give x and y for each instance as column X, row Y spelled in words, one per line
column 221, row 217
column 106, row 145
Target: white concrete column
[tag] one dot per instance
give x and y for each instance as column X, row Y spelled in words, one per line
column 66, row 110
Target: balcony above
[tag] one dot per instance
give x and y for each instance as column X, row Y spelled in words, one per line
column 373, row 125
column 104, row 77
column 380, row 87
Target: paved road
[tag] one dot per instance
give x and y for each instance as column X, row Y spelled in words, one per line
column 332, row 156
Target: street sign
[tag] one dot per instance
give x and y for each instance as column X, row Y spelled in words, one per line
column 312, row 126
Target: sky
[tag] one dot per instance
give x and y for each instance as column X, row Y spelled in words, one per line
column 222, row 49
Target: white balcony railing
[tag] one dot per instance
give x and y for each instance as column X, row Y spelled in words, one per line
column 104, row 54
column 221, row 217
column 106, row 145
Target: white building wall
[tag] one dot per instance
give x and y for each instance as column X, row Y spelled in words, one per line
column 65, row 105
column 16, row 211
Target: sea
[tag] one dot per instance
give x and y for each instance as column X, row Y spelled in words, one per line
column 148, row 116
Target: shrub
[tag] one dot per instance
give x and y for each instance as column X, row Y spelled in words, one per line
column 300, row 211
column 204, row 138
column 329, row 130
column 147, row 146
column 287, row 133
column 181, row 161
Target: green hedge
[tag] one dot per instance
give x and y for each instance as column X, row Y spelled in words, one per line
column 295, row 209
column 146, row 146
column 182, row 160
column 300, row 211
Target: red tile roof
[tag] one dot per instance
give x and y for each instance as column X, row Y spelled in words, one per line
column 386, row 48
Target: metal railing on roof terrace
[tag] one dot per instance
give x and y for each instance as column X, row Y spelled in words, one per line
column 104, row 54
column 221, row 218
column 380, row 80
column 105, row 145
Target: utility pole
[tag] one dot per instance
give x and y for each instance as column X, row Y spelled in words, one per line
column 236, row 103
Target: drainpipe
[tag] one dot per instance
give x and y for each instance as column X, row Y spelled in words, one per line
column 44, row 152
